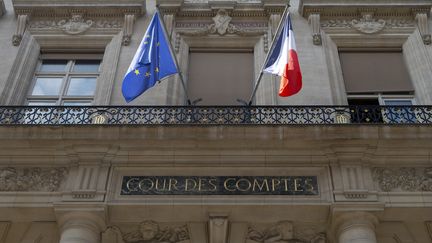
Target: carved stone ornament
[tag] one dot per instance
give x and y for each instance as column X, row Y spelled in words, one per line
column 373, row 27
column 403, row 179
column 52, row 25
column 147, row 232
column 368, row 24
column 22, row 21
column 222, row 26
column 283, row 232
column 31, row 179
column 75, row 25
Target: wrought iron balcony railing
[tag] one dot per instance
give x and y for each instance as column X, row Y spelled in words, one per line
column 215, row 115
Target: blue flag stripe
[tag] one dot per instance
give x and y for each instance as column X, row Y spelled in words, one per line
column 152, row 62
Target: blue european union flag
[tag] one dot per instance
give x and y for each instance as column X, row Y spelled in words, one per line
column 152, row 62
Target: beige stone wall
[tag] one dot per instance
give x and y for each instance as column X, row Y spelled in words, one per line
column 322, row 78
column 370, row 177
column 62, row 183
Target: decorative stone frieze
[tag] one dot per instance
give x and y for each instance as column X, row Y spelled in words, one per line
column 147, row 231
column 373, row 26
column 221, row 26
column 428, row 225
column 407, row 179
column 78, row 17
column 75, row 25
column 31, row 179
column 369, row 18
column 285, row 232
column 367, row 24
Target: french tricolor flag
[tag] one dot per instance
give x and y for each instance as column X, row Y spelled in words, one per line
column 283, row 61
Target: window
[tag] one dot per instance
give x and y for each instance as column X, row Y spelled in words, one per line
column 64, row 82
column 220, row 78
column 377, row 77
column 400, row 108
column 375, row 72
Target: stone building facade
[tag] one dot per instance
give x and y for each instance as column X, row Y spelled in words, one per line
column 72, row 182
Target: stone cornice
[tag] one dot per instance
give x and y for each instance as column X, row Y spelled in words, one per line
column 354, row 8
column 91, row 8
column 208, row 9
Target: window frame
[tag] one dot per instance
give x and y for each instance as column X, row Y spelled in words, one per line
column 66, row 76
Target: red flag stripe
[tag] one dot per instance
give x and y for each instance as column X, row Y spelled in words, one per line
column 291, row 81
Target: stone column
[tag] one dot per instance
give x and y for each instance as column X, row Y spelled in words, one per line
column 80, row 227
column 356, row 227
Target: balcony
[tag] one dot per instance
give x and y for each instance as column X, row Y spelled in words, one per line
column 215, row 115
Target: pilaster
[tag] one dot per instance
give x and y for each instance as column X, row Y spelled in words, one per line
column 423, row 26
column 22, row 21
column 87, row 181
column 129, row 20
column 315, row 25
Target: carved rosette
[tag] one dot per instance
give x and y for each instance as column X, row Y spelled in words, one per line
column 403, row 179
column 31, row 179
column 147, row 231
column 285, row 231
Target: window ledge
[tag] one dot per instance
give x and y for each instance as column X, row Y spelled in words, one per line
column 90, row 7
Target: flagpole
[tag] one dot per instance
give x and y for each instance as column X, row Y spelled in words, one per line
column 173, row 54
column 278, row 33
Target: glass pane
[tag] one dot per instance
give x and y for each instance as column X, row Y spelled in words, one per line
column 41, row 103
column 398, row 102
column 82, row 86
column 86, row 66
column 53, row 66
column 47, row 86
column 77, row 103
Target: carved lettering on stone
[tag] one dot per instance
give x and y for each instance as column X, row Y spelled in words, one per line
column 147, row 232
column 31, row 179
column 403, row 179
column 284, row 232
